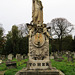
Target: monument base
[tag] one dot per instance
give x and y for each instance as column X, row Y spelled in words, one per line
column 39, row 72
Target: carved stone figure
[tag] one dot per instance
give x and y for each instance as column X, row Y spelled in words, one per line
column 31, row 30
column 45, row 30
column 37, row 11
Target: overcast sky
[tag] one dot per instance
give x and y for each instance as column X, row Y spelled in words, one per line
column 20, row 11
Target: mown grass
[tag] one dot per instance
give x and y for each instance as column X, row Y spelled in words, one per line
column 20, row 64
column 68, row 68
column 13, row 71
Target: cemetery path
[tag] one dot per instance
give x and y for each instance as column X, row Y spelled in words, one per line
column 2, row 72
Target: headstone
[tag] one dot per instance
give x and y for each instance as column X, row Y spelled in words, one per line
column 51, row 57
column 51, row 53
column 0, row 61
column 26, row 57
column 22, row 57
column 74, row 55
column 56, row 56
column 70, row 58
column 66, row 52
column 10, row 57
column 3, row 57
column 18, row 57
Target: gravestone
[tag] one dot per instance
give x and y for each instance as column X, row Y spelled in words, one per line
column 22, row 57
column 74, row 55
column 10, row 57
column 70, row 58
column 51, row 57
column 18, row 57
column 56, row 56
column 39, row 61
column 3, row 57
column 26, row 57
column 0, row 61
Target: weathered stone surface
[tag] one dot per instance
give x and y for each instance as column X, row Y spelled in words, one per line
column 74, row 55
column 39, row 72
column 10, row 57
column 3, row 57
column 51, row 57
column 37, row 11
column 0, row 61
column 18, row 57
column 39, row 56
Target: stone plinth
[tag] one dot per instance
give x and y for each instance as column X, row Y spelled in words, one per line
column 39, row 72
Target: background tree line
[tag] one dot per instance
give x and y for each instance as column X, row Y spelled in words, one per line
column 16, row 41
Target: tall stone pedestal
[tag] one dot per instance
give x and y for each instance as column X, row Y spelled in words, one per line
column 38, row 56
column 39, row 72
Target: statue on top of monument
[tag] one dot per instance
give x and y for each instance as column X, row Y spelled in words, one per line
column 37, row 11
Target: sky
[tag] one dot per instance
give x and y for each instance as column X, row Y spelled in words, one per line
column 20, row 11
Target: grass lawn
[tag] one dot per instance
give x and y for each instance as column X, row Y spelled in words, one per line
column 68, row 68
column 21, row 64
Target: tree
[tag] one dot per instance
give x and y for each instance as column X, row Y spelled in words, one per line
column 73, row 44
column 15, row 39
column 8, row 44
column 23, row 30
column 67, row 43
column 60, row 27
column 1, row 39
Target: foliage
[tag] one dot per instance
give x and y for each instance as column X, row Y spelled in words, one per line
column 67, row 44
column 73, row 45
column 2, row 40
column 2, row 67
column 60, row 27
column 16, row 43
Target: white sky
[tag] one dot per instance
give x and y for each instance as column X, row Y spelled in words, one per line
column 20, row 11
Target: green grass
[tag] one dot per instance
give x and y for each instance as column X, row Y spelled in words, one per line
column 2, row 67
column 13, row 71
column 68, row 68
column 20, row 64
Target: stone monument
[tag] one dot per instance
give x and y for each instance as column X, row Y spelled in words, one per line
column 38, row 39
column 39, row 61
